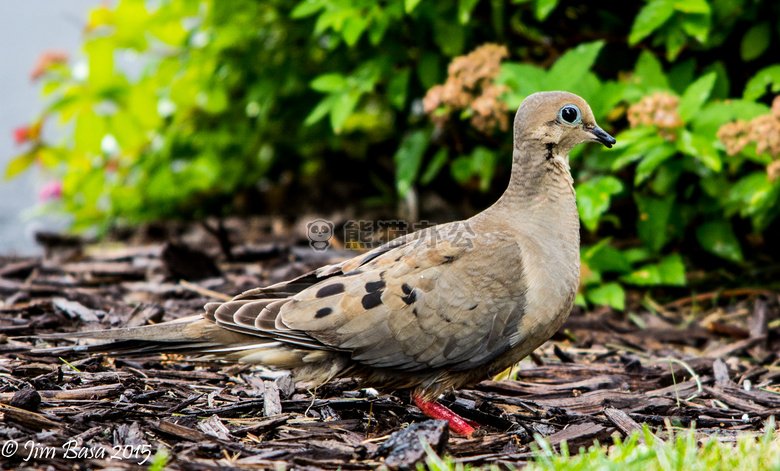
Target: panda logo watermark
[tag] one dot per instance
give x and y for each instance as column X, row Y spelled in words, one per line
column 319, row 232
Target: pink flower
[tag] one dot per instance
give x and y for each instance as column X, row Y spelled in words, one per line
column 24, row 134
column 50, row 191
column 46, row 61
column 21, row 135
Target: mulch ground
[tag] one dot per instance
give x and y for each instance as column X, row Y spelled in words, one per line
column 709, row 360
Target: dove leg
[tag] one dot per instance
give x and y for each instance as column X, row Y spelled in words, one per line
column 434, row 410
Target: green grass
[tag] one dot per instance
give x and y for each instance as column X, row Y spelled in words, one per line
column 646, row 452
column 159, row 460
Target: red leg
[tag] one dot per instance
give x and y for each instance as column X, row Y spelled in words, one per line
column 434, row 410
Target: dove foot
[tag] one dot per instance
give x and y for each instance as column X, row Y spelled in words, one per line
column 434, row 410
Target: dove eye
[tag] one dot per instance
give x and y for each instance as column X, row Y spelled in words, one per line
column 570, row 114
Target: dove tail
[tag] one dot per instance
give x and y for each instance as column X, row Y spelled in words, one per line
column 189, row 335
column 203, row 339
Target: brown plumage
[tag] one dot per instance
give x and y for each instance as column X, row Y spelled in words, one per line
column 439, row 308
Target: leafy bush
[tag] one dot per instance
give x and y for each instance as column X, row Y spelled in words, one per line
column 232, row 98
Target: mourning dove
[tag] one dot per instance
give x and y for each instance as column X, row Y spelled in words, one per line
column 439, row 308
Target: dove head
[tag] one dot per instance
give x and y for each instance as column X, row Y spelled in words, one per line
column 557, row 120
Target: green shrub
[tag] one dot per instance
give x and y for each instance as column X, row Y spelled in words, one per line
column 233, row 97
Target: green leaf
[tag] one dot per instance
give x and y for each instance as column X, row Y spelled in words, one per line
column 697, row 26
column 522, row 80
column 667, row 176
column 700, row 148
column 428, row 69
column 410, row 5
column 543, row 8
column 755, row 41
column 353, row 28
column 465, row 7
column 650, row 18
column 681, row 75
column 695, row 96
column 637, row 254
column 717, row 237
column 450, row 37
column 408, row 158
column 214, row 100
column 19, row 164
column 329, row 19
column 603, row 258
column 675, row 41
column 756, row 197
column 398, row 87
column 594, row 197
column 721, row 89
column 343, row 106
column 649, row 73
column 434, row 166
column 101, row 61
column 672, row 270
column 655, row 157
column 381, row 22
column 748, row 192
column 88, row 132
column 693, row 6
column 668, row 272
column 319, row 111
column 634, row 144
column 483, row 162
column 610, row 294
column 461, row 168
column 756, row 86
column 653, row 221
column 570, row 69
column 329, row 83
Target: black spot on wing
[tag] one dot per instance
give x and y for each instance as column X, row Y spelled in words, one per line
column 330, row 290
column 372, row 299
column 325, row 311
column 410, row 295
column 372, row 286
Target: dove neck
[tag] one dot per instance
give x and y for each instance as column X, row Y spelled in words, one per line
column 540, row 184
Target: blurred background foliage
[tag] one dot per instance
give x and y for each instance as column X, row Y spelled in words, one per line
column 251, row 106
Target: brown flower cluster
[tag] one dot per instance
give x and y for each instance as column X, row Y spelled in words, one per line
column 735, row 136
column 658, row 109
column 470, row 86
column 773, row 170
column 763, row 131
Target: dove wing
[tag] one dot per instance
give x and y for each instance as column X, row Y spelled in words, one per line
column 431, row 302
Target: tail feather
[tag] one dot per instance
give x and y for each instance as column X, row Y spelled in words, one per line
column 173, row 331
column 247, row 329
column 187, row 335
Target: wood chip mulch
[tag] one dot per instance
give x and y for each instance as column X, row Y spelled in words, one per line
column 709, row 360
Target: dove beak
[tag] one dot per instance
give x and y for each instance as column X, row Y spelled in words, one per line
column 602, row 136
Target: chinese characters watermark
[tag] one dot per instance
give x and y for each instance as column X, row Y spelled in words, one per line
column 365, row 235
